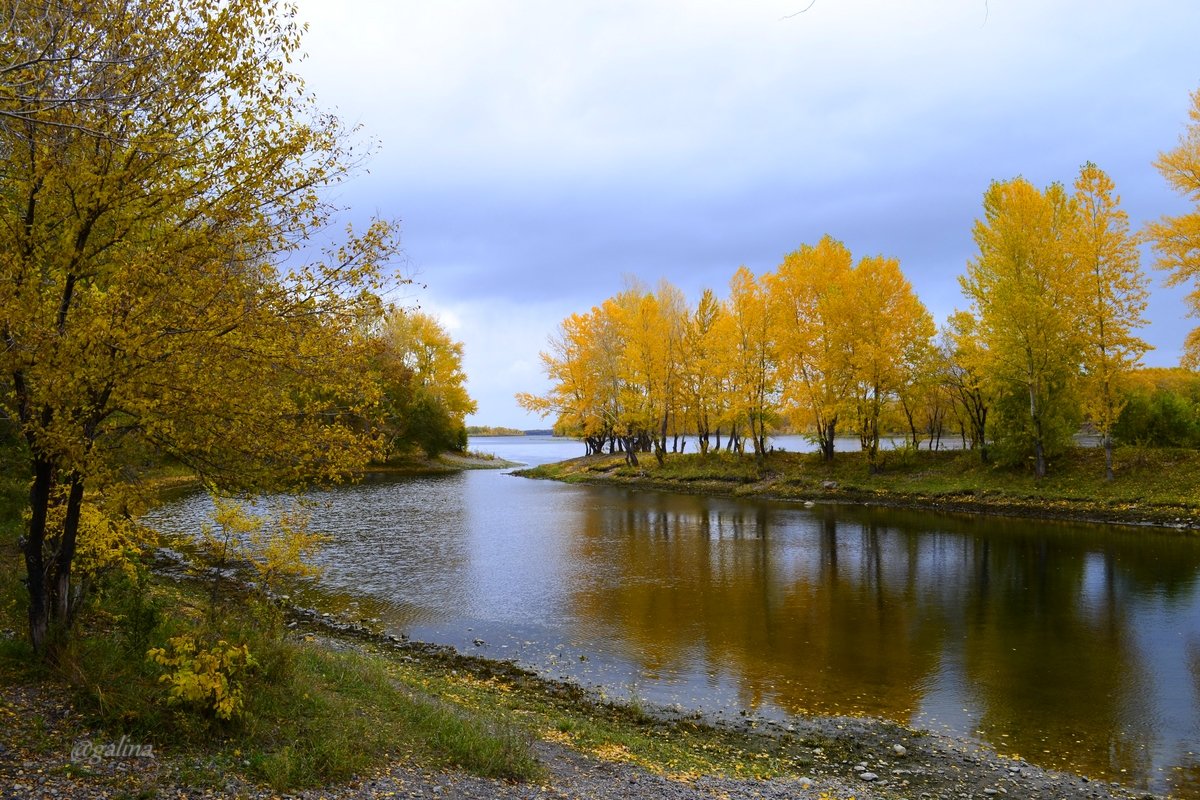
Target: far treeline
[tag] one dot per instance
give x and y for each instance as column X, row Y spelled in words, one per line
column 826, row 346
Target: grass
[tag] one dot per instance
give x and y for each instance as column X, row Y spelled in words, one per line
column 313, row 714
column 1159, row 485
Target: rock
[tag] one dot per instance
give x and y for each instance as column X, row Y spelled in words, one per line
column 809, row 504
column 900, row 750
column 829, row 484
column 805, row 783
column 990, row 790
column 478, row 642
column 868, row 776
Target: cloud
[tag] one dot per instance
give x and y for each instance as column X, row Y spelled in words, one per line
column 537, row 151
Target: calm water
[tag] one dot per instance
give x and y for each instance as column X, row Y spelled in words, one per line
column 1074, row 646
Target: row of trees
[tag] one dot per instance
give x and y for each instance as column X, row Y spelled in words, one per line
column 820, row 339
column 162, row 174
column 825, row 345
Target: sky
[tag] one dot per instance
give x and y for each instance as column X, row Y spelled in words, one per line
column 535, row 154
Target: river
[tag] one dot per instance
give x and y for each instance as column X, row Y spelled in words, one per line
column 1075, row 646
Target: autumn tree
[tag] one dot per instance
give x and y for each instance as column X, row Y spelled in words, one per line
column 424, row 395
column 1177, row 238
column 701, row 371
column 1023, row 287
column 754, row 365
column 161, row 170
column 963, row 363
column 810, row 295
column 583, row 364
column 1112, row 296
column 889, row 332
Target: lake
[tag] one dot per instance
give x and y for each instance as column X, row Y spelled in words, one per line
column 1076, row 646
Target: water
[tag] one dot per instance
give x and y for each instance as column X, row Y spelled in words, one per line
column 1070, row 645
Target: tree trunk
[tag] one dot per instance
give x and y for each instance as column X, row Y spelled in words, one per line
column 35, row 559
column 1039, row 449
column 63, row 607
column 1108, row 458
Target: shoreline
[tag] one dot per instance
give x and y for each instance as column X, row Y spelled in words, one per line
column 590, row 745
column 815, row 489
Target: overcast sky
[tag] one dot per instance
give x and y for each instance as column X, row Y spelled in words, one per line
column 537, row 152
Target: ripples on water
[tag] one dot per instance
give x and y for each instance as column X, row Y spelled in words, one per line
column 1075, row 646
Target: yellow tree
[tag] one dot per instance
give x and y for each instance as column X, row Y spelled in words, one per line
column 674, row 312
column 701, row 375
column 755, row 389
column 963, row 364
column 161, row 169
column 811, row 300
column 1023, row 286
column 424, row 397
column 1112, row 297
column 1177, row 239
column 889, row 331
column 584, row 370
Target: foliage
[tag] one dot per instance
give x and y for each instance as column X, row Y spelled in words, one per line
column 1160, row 408
column 1177, row 239
column 207, row 679
column 163, row 171
column 1056, row 294
column 274, row 549
column 493, row 430
column 425, row 399
column 1112, row 298
column 811, row 295
column 817, row 341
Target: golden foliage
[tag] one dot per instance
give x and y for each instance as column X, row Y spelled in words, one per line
column 1177, row 238
column 206, row 679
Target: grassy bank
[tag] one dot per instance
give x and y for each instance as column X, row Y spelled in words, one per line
column 1158, row 486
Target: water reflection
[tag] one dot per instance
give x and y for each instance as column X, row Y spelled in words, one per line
column 1070, row 645
column 1053, row 642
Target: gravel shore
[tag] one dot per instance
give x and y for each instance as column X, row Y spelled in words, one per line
column 46, row 751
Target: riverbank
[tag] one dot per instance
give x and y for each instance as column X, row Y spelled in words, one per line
column 1153, row 487
column 585, row 747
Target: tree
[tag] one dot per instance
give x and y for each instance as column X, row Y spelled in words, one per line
column 810, row 294
column 889, row 333
column 701, row 375
column 161, row 171
column 754, row 368
column 964, row 361
column 1112, row 298
column 1177, row 239
column 1023, row 287
column 425, row 400
column 583, row 365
